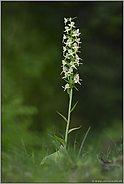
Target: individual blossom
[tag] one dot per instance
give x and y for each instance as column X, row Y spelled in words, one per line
column 76, row 33
column 77, row 57
column 70, row 52
column 64, row 49
column 63, row 62
column 67, row 29
column 65, row 20
column 76, row 79
column 66, row 75
column 75, row 47
column 78, row 40
column 70, row 70
column 71, row 24
column 77, row 62
column 68, row 42
column 72, row 65
column 64, row 70
column 66, row 56
column 66, row 86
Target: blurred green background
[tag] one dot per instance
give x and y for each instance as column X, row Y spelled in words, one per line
column 31, row 65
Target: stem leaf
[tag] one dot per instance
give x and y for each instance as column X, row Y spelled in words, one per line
column 60, row 140
column 73, row 129
column 62, row 116
column 74, row 106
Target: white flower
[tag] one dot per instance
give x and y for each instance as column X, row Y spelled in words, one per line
column 70, row 52
column 76, row 79
column 77, row 57
column 72, row 65
column 68, row 42
column 70, row 70
column 66, row 56
column 64, row 49
column 63, row 62
column 66, row 75
column 75, row 47
column 72, row 24
column 64, row 70
column 65, row 20
column 64, row 37
column 78, row 40
column 66, row 86
column 76, row 33
column 77, row 62
column 67, row 29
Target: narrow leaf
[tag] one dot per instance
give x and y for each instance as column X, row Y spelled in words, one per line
column 62, row 116
column 74, row 106
column 76, row 88
column 68, row 91
column 60, row 140
column 73, row 129
column 66, row 80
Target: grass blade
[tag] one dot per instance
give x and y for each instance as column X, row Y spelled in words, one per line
column 83, row 141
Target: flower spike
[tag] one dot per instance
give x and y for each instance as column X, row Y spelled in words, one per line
column 71, row 48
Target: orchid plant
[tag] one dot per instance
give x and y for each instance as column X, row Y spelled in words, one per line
column 70, row 64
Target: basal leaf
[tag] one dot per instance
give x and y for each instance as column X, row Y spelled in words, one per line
column 56, row 156
column 73, row 129
column 62, row 116
column 74, row 106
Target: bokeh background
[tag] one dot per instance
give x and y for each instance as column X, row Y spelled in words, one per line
column 31, row 65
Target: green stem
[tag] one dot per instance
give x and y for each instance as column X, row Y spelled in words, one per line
column 69, row 109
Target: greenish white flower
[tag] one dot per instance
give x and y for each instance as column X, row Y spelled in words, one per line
column 70, row 52
column 65, row 20
column 63, row 62
column 78, row 40
column 64, row 49
column 73, row 65
column 66, row 86
column 76, row 79
column 76, row 33
column 75, row 47
column 66, row 56
column 67, row 29
column 71, row 24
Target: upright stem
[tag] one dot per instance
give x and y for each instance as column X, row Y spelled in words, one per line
column 69, row 109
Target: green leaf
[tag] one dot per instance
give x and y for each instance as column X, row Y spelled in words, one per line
column 60, row 140
column 74, row 106
column 66, row 80
column 62, row 116
column 73, row 129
